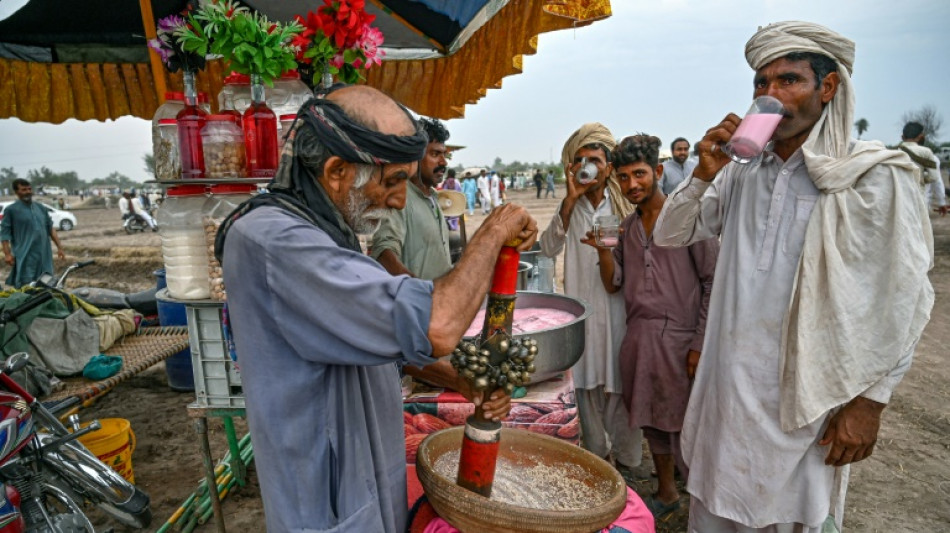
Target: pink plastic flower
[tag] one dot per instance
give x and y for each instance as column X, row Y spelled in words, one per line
column 369, row 43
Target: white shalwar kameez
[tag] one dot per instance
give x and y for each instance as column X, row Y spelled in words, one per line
column 598, row 370
column 742, row 466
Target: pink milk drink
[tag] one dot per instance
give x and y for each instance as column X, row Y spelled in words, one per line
column 606, row 230
column 755, row 130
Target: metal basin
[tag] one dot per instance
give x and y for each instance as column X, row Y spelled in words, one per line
column 561, row 346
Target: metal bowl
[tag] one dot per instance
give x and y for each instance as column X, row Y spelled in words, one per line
column 558, row 347
column 524, row 272
column 473, row 513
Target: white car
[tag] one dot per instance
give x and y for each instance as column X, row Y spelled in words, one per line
column 62, row 220
column 52, row 190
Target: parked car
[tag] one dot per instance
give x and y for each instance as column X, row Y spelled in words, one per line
column 52, row 190
column 62, row 220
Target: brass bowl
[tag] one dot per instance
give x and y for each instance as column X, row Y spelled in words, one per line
column 473, row 513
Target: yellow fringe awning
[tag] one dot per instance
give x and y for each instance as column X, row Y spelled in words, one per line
column 55, row 92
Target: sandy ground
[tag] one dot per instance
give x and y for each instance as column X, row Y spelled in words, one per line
column 904, row 486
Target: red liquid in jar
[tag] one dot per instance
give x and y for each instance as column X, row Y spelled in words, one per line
column 260, row 139
column 526, row 320
column 190, row 121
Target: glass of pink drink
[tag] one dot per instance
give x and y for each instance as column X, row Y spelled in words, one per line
column 607, row 231
column 755, row 130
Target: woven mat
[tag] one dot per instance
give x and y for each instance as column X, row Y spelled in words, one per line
column 138, row 352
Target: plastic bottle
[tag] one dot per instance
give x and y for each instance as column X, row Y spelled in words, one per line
column 165, row 151
column 190, row 121
column 260, row 134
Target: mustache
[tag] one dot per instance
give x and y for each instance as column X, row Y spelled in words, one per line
column 440, row 168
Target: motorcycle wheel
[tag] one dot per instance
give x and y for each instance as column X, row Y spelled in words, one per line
column 65, row 513
column 129, row 229
column 134, row 513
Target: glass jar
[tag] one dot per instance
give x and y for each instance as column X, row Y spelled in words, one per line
column 223, row 144
column 236, row 90
column 190, row 121
column 226, row 106
column 260, row 134
column 286, row 121
column 184, row 251
column 288, row 94
column 165, row 151
column 223, row 200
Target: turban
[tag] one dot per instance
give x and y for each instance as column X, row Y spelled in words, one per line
column 322, row 128
column 832, row 134
column 860, row 297
column 597, row 133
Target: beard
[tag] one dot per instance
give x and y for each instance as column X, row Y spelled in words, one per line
column 362, row 220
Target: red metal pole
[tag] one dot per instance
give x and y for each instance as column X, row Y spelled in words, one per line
column 480, row 443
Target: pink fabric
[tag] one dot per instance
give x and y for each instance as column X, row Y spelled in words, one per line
column 635, row 518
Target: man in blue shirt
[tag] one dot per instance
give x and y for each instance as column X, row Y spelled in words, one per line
column 321, row 329
column 26, row 232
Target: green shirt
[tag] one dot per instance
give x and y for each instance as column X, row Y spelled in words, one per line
column 27, row 226
column 418, row 235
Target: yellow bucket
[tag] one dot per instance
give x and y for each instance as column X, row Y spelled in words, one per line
column 113, row 444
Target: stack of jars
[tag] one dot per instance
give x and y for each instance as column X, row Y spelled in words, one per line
column 244, row 137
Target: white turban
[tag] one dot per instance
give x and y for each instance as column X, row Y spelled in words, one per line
column 861, row 296
column 832, row 134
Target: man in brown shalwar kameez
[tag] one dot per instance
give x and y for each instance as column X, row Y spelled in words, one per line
column 666, row 292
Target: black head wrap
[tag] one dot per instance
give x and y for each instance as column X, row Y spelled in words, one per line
column 322, row 128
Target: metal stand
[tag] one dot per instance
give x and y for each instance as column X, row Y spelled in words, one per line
column 238, row 468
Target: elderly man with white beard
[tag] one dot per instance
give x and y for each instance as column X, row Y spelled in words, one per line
column 821, row 295
column 321, row 329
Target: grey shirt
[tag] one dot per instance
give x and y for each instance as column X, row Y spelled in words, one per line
column 674, row 173
column 320, row 332
column 418, row 235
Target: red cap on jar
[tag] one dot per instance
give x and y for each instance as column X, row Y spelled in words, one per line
column 172, row 95
column 220, row 117
column 236, row 78
column 284, row 118
column 167, row 122
column 202, row 98
column 233, row 188
column 186, row 190
column 290, row 75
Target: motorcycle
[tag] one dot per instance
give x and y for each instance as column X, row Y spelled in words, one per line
column 143, row 302
column 134, row 224
column 45, row 472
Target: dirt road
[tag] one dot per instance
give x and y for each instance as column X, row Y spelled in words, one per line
column 904, row 486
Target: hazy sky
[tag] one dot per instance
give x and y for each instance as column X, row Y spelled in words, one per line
column 665, row 67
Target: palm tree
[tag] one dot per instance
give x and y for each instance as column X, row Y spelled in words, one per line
column 862, row 126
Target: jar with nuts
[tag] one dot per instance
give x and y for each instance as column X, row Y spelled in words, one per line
column 167, row 160
column 224, row 199
column 223, row 143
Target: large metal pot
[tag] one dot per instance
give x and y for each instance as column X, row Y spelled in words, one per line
column 524, row 272
column 561, row 346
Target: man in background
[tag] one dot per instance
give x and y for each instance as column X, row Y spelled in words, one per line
column 597, row 385
column 415, row 240
column 484, row 191
column 26, row 232
column 931, row 181
column 676, row 169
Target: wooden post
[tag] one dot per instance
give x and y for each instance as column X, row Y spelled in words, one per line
column 158, row 69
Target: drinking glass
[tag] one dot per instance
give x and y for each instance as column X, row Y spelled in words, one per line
column 545, row 274
column 607, row 230
column 755, row 130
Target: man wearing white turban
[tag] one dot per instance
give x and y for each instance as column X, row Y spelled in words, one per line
column 597, row 385
column 821, row 295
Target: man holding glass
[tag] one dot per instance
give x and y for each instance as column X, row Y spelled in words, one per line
column 796, row 370
column 666, row 292
column 597, row 384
